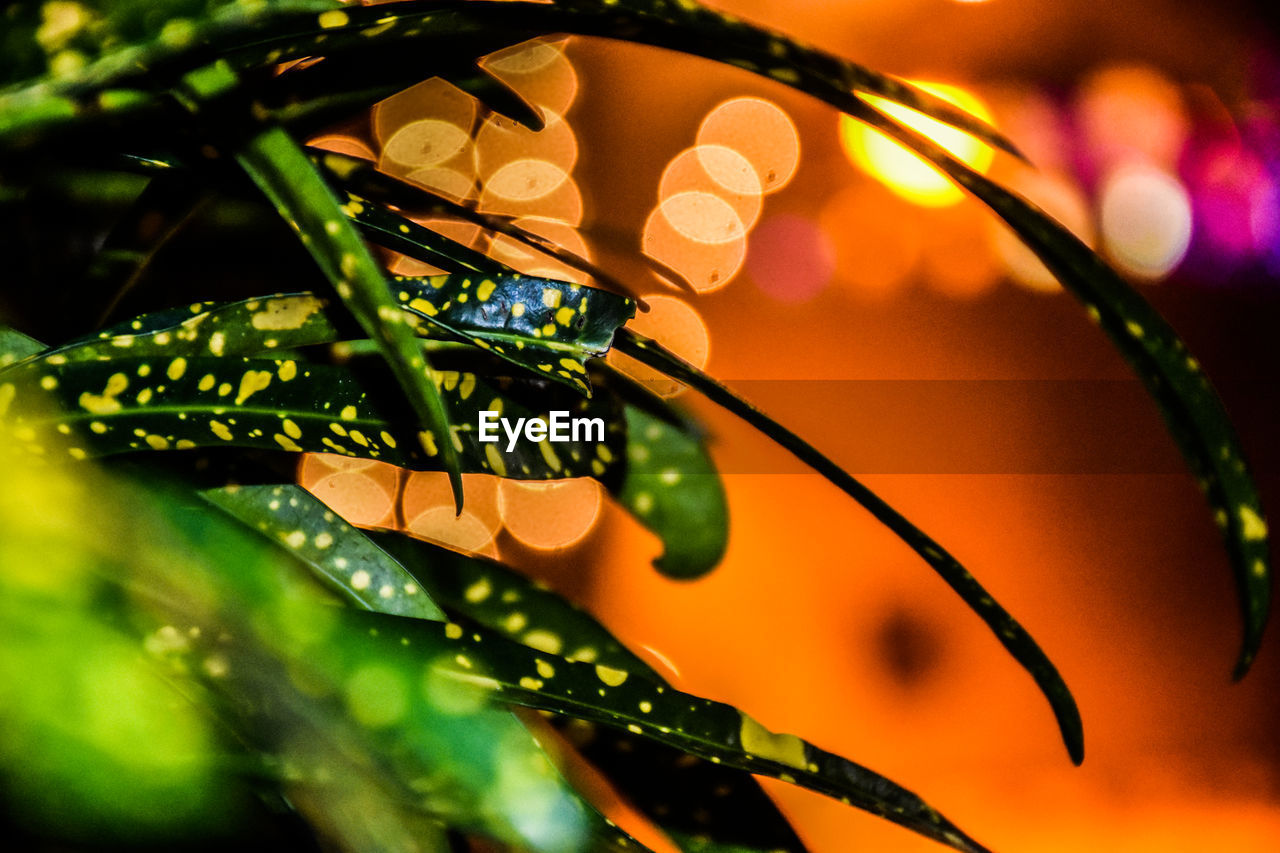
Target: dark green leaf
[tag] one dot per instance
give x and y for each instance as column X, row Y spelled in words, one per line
column 1007, row 629
column 550, row 327
column 673, row 788
column 277, row 165
column 672, row 488
column 1173, row 377
column 720, row 733
column 104, row 407
column 364, row 185
column 503, row 600
column 350, row 564
column 703, row 806
column 686, row 26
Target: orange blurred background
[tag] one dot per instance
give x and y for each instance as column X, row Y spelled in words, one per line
column 894, row 325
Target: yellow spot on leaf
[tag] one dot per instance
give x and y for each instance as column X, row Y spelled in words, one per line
column 549, row 455
column 424, row 306
column 332, row 18
column 551, row 297
column 495, row 460
column 1252, row 527
column 106, row 402
column 610, row 676
column 544, row 641
column 478, row 591
column 252, row 382
column 428, row 441
column 762, row 743
column 177, row 367
column 220, row 430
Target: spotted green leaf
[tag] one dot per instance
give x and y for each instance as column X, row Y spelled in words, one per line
column 122, row 51
column 84, row 408
column 672, row 487
column 517, row 674
column 703, row 806
column 550, row 327
column 1191, row 408
column 287, row 178
column 686, row 26
column 680, row 792
column 349, row 563
column 363, row 186
column 338, row 553
column 504, row 601
column 398, row 233
column 282, row 321
column 1008, row 631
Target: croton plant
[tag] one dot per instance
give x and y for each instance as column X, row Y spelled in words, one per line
column 190, row 642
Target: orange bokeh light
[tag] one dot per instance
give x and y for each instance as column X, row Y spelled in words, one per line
column 549, row 515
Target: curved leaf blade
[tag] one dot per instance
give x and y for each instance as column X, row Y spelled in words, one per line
column 1008, row 630
column 365, row 575
column 683, row 794
column 288, row 179
column 504, row 601
column 712, row 730
column 1174, row 378
column 687, row 27
column 339, row 554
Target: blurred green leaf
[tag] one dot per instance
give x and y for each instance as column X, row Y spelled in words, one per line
column 672, row 488
column 338, row 553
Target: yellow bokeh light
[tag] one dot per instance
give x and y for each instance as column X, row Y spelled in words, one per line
column 903, row 171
